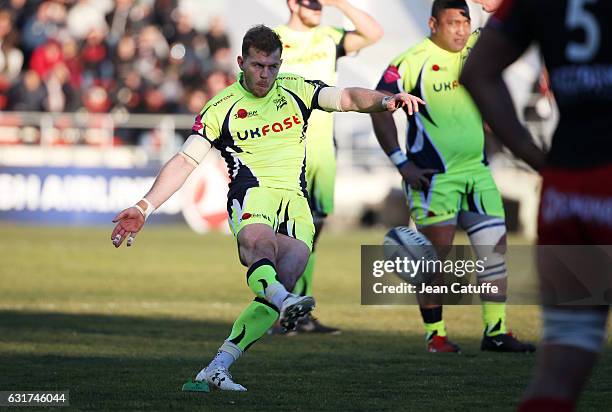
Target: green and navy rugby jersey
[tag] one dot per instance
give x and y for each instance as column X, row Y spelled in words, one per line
column 447, row 134
column 262, row 139
column 313, row 54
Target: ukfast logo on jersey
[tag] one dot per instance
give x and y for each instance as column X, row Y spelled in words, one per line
column 445, row 86
column 264, row 130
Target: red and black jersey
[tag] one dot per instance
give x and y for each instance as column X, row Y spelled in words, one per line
column 575, row 40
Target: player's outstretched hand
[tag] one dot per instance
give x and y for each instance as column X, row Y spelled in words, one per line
column 400, row 100
column 417, row 178
column 129, row 222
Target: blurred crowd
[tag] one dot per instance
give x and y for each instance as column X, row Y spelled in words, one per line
column 134, row 56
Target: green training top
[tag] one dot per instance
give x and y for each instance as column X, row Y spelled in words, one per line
column 447, row 134
column 313, row 54
column 262, row 139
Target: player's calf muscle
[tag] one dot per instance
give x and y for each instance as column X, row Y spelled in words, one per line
column 291, row 265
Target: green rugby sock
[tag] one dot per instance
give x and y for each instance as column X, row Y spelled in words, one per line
column 260, row 276
column 494, row 318
column 433, row 329
column 251, row 325
column 432, row 319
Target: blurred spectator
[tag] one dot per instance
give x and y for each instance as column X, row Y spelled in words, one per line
column 215, row 82
column 154, row 100
column 45, row 57
column 96, row 59
column 224, row 60
column 118, row 20
column 153, row 49
column 123, row 56
column 164, row 13
column 19, row 10
column 84, row 17
column 216, row 36
column 96, row 100
column 171, row 87
column 200, row 48
column 70, row 50
column 125, row 53
column 219, row 45
column 11, row 58
column 28, row 94
column 196, row 61
column 141, row 15
column 152, row 43
column 46, row 24
column 129, row 96
column 184, row 32
column 57, row 85
column 194, row 101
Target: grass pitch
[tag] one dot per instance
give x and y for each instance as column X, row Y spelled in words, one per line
column 123, row 329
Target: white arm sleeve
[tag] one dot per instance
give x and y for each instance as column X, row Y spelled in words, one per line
column 330, row 99
column 195, row 149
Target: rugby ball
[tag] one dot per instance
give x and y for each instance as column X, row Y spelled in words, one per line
column 410, row 245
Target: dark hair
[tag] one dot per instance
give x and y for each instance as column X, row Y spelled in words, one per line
column 439, row 5
column 262, row 38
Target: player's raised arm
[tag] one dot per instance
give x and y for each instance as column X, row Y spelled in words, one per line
column 357, row 99
column 367, row 30
column 171, row 178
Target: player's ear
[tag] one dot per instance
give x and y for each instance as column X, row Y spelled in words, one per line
column 433, row 24
column 240, row 61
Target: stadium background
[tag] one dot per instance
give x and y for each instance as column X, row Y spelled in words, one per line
column 95, row 97
column 84, row 126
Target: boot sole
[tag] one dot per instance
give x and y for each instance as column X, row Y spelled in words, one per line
column 295, row 312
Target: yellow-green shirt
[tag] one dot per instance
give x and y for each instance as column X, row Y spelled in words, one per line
column 447, row 134
column 262, row 139
column 313, row 55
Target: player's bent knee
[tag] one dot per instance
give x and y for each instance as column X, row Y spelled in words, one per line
column 255, row 244
column 488, row 238
column 583, row 329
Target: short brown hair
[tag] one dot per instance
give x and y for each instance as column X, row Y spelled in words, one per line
column 262, row 38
